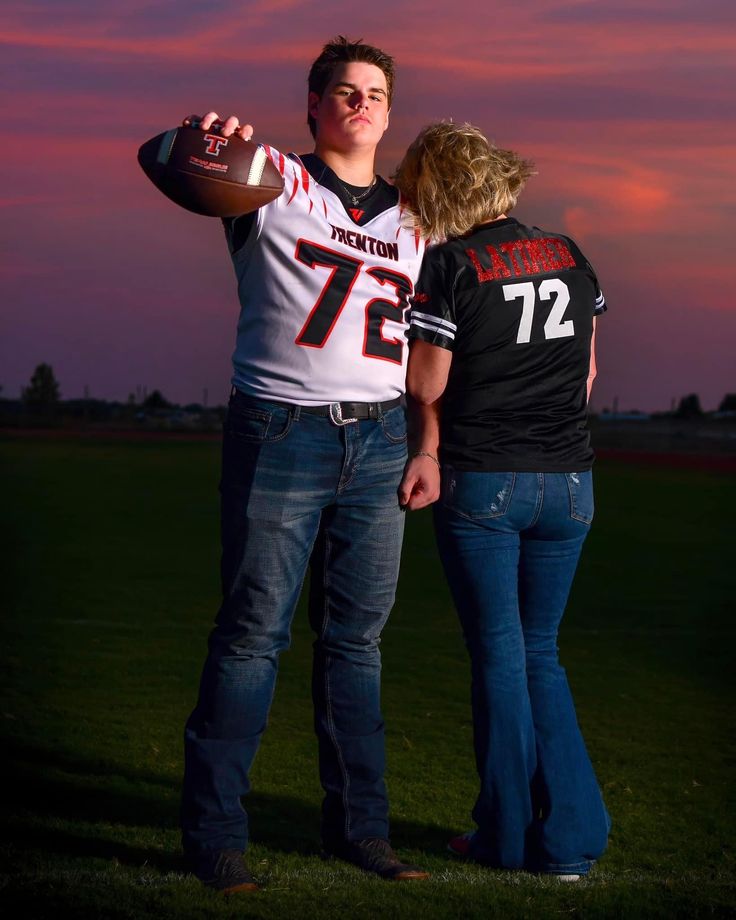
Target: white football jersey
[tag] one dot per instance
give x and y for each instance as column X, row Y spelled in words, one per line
column 323, row 298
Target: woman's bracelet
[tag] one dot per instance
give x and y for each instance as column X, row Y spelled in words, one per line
column 424, row 453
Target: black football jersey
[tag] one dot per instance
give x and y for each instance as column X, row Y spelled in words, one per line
column 515, row 305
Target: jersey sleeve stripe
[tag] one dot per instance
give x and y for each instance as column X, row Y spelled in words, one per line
column 294, row 189
column 276, row 157
column 433, row 319
column 432, row 328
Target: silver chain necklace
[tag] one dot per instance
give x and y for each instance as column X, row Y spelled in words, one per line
column 356, row 199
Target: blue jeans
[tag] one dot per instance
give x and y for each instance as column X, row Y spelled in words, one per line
column 298, row 491
column 510, row 544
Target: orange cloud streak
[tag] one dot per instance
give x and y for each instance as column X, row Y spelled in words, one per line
column 194, row 47
column 589, row 48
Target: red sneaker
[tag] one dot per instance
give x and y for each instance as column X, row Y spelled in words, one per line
column 461, row 845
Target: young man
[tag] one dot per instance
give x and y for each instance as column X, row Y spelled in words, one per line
column 314, row 448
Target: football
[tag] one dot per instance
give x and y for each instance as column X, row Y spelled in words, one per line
column 209, row 174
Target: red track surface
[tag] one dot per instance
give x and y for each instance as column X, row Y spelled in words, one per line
column 718, row 463
column 713, row 462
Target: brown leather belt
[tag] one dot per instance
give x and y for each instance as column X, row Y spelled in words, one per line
column 343, row 412
column 340, row 413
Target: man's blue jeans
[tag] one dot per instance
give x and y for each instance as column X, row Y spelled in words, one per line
column 510, row 544
column 298, row 491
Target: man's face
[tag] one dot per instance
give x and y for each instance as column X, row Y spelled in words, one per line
column 352, row 113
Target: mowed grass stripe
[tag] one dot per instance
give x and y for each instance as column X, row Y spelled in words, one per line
column 110, row 582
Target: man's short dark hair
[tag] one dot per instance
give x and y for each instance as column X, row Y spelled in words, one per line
column 342, row 51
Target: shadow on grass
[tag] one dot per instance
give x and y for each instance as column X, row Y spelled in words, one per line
column 52, row 788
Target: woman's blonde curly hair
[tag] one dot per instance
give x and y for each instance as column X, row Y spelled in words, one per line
column 453, row 179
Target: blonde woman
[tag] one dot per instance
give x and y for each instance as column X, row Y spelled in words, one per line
column 500, row 367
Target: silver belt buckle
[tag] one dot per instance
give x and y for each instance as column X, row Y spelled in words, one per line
column 336, row 415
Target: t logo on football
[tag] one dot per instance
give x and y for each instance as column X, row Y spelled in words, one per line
column 214, row 142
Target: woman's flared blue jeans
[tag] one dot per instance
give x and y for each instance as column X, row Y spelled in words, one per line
column 510, row 544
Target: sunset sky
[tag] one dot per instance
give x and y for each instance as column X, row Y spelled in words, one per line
column 627, row 108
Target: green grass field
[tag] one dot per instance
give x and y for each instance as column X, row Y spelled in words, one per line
column 109, row 584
